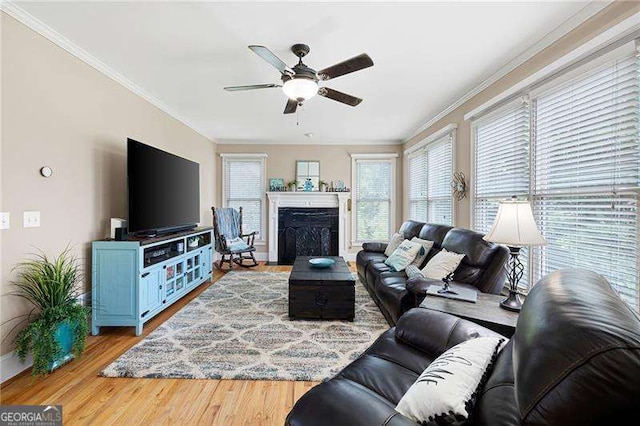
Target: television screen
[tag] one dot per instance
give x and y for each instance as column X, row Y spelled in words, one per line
column 164, row 190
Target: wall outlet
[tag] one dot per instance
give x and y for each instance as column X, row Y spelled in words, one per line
column 31, row 219
column 5, row 220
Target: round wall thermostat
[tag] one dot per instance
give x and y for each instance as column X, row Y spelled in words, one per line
column 46, row 171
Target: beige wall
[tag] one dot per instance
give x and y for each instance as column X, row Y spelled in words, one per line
column 60, row 112
column 608, row 17
column 335, row 164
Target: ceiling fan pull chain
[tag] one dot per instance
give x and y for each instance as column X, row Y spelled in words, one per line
column 297, row 117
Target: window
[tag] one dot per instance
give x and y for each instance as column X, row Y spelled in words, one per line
column 243, row 183
column 501, row 165
column 587, row 175
column 429, row 177
column 373, row 196
column 575, row 153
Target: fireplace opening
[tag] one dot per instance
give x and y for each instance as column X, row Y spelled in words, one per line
column 306, row 232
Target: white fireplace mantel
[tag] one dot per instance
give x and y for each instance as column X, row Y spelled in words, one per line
column 304, row 199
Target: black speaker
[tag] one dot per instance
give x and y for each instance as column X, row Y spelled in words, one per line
column 121, row 234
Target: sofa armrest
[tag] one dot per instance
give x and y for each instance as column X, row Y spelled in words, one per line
column 374, row 247
column 419, row 285
column 434, row 332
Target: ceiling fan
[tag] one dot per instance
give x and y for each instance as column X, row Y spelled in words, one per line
column 300, row 82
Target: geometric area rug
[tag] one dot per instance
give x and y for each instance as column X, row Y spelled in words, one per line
column 239, row 328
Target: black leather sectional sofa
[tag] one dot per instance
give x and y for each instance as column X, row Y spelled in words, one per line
column 482, row 267
column 574, row 360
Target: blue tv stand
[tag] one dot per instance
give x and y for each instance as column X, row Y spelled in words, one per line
column 134, row 280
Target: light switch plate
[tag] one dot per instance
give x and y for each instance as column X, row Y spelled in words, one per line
column 5, row 220
column 31, row 219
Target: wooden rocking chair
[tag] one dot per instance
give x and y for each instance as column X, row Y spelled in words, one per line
column 227, row 230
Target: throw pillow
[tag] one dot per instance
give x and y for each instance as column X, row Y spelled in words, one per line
column 403, row 255
column 422, row 256
column 442, row 264
column 413, row 271
column 445, row 391
column 394, row 242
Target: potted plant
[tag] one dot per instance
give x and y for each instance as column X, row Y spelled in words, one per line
column 58, row 330
column 323, row 186
column 293, row 185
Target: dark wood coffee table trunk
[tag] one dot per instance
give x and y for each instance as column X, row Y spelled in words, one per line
column 321, row 293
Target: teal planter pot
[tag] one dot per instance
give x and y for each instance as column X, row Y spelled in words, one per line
column 64, row 337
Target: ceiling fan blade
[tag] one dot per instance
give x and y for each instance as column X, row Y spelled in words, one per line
column 291, row 107
column 251, row 87
column 339, row 96
column 354, row 64
column 270, row 57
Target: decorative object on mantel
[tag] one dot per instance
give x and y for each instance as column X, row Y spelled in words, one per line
column 276, row 185
column 308, row 185
column 338, row 186
column 322, row 186
column 292, row 185
column 515, row 227
column 459, row 186
column 308, row 171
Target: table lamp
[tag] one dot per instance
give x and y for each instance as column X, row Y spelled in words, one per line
column 515, row 227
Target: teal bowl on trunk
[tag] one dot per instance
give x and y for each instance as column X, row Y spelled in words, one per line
column 321, row 262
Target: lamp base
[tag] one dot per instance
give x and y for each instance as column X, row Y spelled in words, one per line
column 512, row 303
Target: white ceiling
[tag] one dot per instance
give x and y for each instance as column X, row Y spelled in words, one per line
column 427, row 55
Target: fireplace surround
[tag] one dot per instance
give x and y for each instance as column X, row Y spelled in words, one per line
column 306, row 201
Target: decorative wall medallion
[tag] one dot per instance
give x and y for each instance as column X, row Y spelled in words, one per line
column 459, row 186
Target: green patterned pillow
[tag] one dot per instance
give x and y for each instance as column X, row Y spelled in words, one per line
column 422, row 255
column 403, row 255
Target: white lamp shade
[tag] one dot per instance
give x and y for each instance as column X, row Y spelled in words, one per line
column 514, row 225
column 300, row 89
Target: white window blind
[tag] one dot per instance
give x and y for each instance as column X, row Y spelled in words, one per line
column 243, row 181
column 373, row 198
column 429, row 180
column 417, row 181
column 587, row 163
column 501, row 166
column 439, row 173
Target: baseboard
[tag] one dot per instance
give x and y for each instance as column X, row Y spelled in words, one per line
column 11, row 366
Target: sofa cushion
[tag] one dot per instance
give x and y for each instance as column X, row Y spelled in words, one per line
column 393, row 295
column 384, row 377
column 576, row 353
column 341, row 401
column 435, row 233
column 391, row 349
column 470, row 243
column 496, row 403
column 363, row 258
column 411, row 228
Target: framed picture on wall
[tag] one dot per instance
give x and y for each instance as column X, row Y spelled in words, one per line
column 276, row 184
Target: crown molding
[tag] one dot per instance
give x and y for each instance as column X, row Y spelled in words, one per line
column 563, row 29
column 307, row 142
column 24, row 17
column 446, row 130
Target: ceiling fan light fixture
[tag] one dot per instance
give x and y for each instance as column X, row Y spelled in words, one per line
column 300, row 89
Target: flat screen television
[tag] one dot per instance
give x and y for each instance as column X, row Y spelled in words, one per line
column 164, row 190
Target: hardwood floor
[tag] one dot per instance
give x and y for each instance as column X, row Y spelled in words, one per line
column 89, row 399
